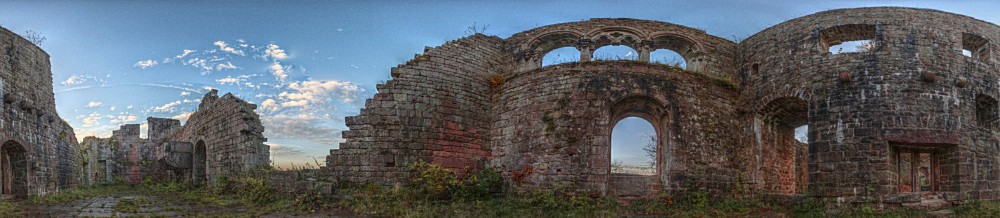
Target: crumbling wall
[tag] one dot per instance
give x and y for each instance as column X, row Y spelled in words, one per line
column 436, row 109
column 31, row 131
column 231, row 132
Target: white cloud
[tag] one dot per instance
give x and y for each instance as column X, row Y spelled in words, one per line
column 224, row 47
column 183, row 117
column 145, row 64
column 275, row 52
column 112, row 108
column 91, row 119
column 129, row 107
column 225, row 66
column 223, row 81
column 185, row 93
column 73, row 80
column 269, row 104
column 185, row 53
column 300, row 126
column 168, row 107
column 279, row 72
column 319, row 91
column 94, row 104
column 283, row 150
column 123, row 118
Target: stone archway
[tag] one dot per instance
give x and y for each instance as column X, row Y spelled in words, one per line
column 13, row 170
column 654, row 112
column 200, row 164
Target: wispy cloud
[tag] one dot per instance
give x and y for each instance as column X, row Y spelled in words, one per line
column 226, row 48
column 145, row 64
column 94, row 104
column 168, row 107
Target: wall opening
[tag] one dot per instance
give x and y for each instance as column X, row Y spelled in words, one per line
column 784, row 146
column 13, row 171
column 987, row 114
column 615, row 52
column 851, row 38
column 633, row 147
column 638, row 152
column 561, row 55
column 668, row 57
column 200, row 164
column 975, row 46
column 917, row 168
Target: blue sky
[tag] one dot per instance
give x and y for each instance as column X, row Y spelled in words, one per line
column 307, row 64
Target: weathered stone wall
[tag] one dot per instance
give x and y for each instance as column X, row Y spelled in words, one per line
column 231, row 132
column 39, row 153
column 436, row 109
column 227, row 127
column 557, row 122
column 914, row 89
column 725, row 125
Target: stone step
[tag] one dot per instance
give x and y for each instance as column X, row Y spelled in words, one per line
column 928, row 204
column 941, row 213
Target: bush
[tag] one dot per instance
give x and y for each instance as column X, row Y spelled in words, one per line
column 433, row 181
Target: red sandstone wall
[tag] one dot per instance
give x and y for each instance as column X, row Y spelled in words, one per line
column 435, row 109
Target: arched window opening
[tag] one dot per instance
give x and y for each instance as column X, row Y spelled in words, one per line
column 975, row 46
column 851, row 38
column 561, row 55
column 633, row 147
column 783, row 147
column 13, row 171
column 668, row 57
column 200, row 164
column 987, row 116
column 615, row 52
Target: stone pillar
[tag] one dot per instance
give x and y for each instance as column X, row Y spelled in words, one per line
column 643, row 54
column 585, row 53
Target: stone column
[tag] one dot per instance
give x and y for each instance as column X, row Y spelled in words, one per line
column 585, row 53
column 644, row 54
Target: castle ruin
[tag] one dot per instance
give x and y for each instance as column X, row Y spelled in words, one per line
column 908, row 119
column 223, row 137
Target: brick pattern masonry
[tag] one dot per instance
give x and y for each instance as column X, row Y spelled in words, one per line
column 724, row 125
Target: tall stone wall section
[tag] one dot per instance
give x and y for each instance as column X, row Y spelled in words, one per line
column 436, row 108
column 554, row 125
column 231, row 132
column 726, row 124
column 46, row 156
column 914, row 88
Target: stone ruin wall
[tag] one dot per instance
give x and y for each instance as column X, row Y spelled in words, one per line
column 914, row 89
column 725, row 125
column 226, row 127
column 232, row 135
column 434, row 109
column 39, row 153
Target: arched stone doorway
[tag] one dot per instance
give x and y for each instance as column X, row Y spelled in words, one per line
column 783, row 146
column 200, row 164
column 13, row 170
column 641, row 184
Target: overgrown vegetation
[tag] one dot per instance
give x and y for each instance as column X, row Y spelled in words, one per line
column 436, row 191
